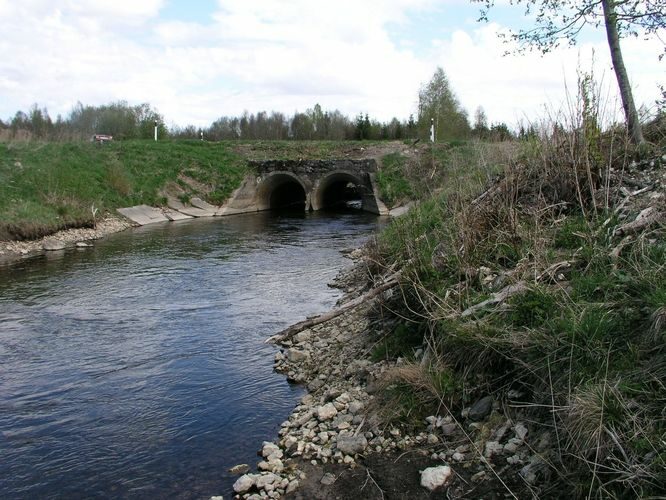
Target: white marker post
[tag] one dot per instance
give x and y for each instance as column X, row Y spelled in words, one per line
column 432, row 140
column 155, row 130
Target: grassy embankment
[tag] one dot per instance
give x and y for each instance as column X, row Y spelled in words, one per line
column 573, row 337
column 49, row 186
column 45, row 187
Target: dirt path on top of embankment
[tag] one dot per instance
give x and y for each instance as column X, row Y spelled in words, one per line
column 323, row 150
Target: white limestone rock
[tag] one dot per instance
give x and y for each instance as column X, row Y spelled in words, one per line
column 512, row 445
column 266, row 479
column 436, row 477
column 328, row 479
column 271, row 450
column 326, row 412
column 351, row 445
column 53, row 245
column 293, row 486
column 239, row 469
column 243, row 483
column 297, row 356
column 521, row 431
column 493, row 448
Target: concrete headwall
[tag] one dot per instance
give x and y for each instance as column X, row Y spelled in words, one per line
column 311, row 179
column 314, row 177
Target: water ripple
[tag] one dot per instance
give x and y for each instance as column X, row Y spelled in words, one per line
column 138, row 368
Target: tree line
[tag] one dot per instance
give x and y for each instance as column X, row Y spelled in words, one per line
column 438, row 104
column 313, row 124
column 556, row 21
column 119, row 119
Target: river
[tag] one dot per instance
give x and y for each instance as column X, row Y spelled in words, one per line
column 138, row 368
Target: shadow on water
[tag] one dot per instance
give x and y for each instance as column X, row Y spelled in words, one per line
column 138, row 367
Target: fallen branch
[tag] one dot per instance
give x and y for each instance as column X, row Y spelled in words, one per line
column 644, row 219
column 615, row 253
column 552, row 271
column 491, row 190
column 497, row 298
column 323, row 318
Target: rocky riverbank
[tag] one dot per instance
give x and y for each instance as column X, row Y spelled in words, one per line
column 517, row 388
column 337, row 443
column 11, row 251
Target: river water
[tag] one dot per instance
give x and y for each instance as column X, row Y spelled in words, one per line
column 138, row 368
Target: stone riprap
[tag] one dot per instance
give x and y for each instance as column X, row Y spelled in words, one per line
column 11, row 251
column 338, row 421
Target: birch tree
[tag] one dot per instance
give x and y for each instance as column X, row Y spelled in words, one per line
column 438, row 102
column 558, row 21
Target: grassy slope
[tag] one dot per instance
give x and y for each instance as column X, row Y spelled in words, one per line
column 47, row 186
column 585, row 339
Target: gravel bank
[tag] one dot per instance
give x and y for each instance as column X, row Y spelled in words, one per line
column 336, row 444
column 11, row 251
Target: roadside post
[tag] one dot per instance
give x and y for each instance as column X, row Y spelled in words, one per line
column 432, row 146
column 155, row 130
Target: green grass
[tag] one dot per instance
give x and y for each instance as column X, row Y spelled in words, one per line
column 401, row 342
column 588, row 339
column 571, row 233
column 394, row 187
column 48, row 186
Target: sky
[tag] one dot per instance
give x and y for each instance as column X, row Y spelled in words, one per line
column 195, row 61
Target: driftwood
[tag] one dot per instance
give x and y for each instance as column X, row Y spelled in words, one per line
column 644, row 219
column 552, row 271
column 491, row 190
column 289, row 332
column 615, row 253
column 497, row 298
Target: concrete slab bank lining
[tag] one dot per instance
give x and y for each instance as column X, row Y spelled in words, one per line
column 312, row 184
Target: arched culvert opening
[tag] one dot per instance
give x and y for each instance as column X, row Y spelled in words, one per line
column 339, row 190
column 287, row 195
column 281, row 191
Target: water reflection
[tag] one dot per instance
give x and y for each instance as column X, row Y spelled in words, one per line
column 137, row 367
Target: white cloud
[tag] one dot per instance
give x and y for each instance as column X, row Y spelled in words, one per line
column 520, row 86
column 271, row 55
column 124, row 9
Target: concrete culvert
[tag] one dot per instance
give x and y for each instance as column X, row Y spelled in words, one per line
column 287, row 195
column 339, row 190
column 281, row 191
column 308, row 185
